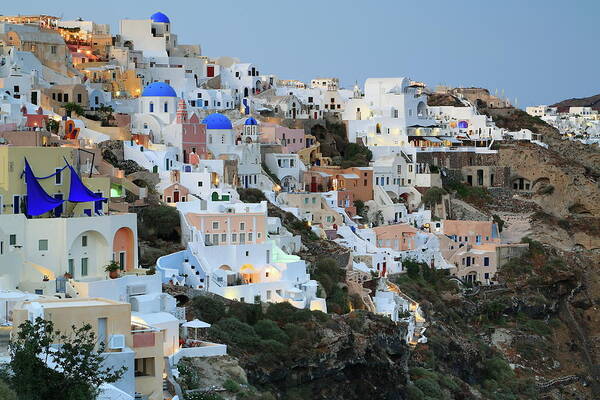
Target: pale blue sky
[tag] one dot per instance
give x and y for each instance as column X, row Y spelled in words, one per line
column 537, row 51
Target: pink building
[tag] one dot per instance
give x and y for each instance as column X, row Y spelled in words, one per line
column 291, row 140
column 193, row 135
column 399, row 237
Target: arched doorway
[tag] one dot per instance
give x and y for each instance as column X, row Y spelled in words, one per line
column 123, row 248
column 88, row 254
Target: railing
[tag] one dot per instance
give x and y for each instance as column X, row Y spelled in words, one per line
column 143, row 335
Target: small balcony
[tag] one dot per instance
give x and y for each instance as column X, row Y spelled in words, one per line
column 143, row 335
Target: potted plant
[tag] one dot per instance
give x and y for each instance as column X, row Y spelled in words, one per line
column 113, row 269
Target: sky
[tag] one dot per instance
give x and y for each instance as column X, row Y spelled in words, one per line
column 536, row 51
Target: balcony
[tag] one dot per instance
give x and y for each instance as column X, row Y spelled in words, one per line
column 143, row 335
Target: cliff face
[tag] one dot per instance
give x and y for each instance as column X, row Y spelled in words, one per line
column 358, row 356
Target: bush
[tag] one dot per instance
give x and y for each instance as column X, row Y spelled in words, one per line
column 208, row 309
column 433, row 196
column 251, row 195
column 269, row 330
column 158, row 222
column 6, row 392
column 429, row 387
column 498, row 369
column 235, row 332
column 231, row 386
column 414, row 393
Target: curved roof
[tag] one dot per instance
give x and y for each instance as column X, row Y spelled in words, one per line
column 160, row 17
column 251, row 121
column 159, row 89
column 217, row 121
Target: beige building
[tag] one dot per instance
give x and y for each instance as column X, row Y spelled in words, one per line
column 135, row 346
column 47, row 45
column 313, row 207
column 43, row 161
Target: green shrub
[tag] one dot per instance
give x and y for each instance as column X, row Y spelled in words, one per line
column 498, row 369
column 430, row 388
column 268, row 329
column 414, row 393
column 208, row 309
column 233, row 331
column 231, row 386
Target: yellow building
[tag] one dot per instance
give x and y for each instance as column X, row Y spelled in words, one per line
column 44, row 161
column 138, row 347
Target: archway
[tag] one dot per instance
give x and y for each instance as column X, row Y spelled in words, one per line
column 421, row 110
column 89, row 252
column 123, row 248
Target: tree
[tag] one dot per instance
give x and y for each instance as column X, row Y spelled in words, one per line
column 70, row 107
column 106, row 114
column 52, row 126
column 70, row 371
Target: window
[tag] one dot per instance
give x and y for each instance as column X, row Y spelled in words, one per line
column 314, row 200
column 144, row 366
column 1, row 248
column 84, row 266
column 151, row 107
column 250, row 236
column 242, row 226
column 166, row 107
column 199, row 183
column 234, row 237
column 247, row 253
column 52, row 49
column 66, row 97
column 71, row 267
column 486, row 261
column 43, row 244
column 207, row 240
column 223, row 237
column 306, row 200
column 79, row 97
column 16, row 88
column 12, row 240
column 215, row 225
column 242, row 238
column 58, row 176
column 258, row 235
column 84, row 241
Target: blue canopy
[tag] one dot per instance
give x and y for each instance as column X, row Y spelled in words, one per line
column 78, row 192
column 38, row 201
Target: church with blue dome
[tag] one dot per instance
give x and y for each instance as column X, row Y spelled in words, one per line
column 217, row 121
column 160, row 18
column 159, row 89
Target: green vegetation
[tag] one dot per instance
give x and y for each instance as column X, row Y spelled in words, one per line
column 433, row 196
column 73, row 107
column 329, row 275
column 355, row 155
column 78, row 373
column 158, row 222
column 470, row 194
column 267, row 334
column 251, row 195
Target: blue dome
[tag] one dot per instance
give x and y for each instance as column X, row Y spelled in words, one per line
column 217, row 121
column 251, row 121
column 159, row 89
column 160, row 17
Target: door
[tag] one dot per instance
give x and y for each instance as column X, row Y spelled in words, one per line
column 122, row 261
column 102, row 330
column 16, row 204
column 210, row 71
column 58, row 210
column 313, row 184
column 176, row 196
